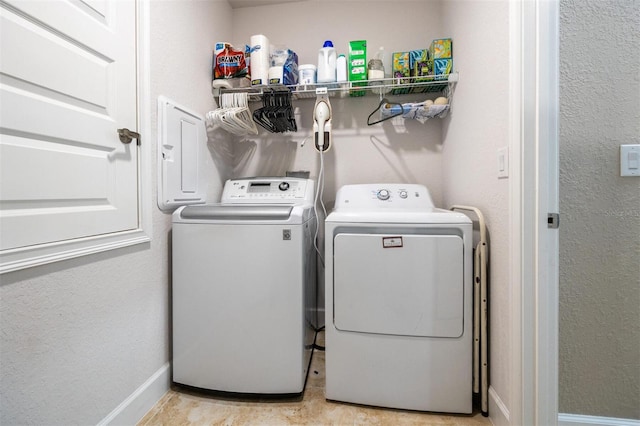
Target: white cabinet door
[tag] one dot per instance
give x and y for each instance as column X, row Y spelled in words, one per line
column 67, row 83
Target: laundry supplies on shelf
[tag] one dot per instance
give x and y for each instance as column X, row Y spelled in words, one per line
column 410, row 72
column 327, row 63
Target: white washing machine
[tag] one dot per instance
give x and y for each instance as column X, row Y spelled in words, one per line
column 398, row 300
column 244, row 288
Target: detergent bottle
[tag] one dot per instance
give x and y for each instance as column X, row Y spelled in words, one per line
column 327, row 63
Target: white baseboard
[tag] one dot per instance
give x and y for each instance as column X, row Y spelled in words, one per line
column 498, row 411
column 132, row 409
column 581, row 420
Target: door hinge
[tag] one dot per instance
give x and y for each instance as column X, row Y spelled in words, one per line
column 553, row 220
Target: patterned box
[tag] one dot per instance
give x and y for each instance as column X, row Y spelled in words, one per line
column 401, row 69
column 441, row 48
column 442, row 66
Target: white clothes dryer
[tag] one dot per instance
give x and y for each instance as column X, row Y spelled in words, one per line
column 244, row 288
column 398, row 288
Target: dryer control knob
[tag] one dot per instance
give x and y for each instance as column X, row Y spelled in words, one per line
column 403, row 194
column 283, row 186
column 384, row 194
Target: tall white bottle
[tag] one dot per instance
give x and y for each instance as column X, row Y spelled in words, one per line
column 327, row 63
column 341, row 69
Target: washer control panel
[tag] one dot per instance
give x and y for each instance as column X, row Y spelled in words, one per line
column 268, row 190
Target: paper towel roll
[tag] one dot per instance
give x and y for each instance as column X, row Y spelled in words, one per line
column 221, row 84
column 260, row 62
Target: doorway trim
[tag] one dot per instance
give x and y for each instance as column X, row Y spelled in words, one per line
column 534, row 76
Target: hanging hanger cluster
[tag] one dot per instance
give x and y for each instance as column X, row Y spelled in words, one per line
column 234, row 114
column 276, row 114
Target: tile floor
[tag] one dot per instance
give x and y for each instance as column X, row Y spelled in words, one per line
column 181, row 407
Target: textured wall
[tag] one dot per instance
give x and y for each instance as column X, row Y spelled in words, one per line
column 79, row 336
column 478, row 127
column 600, row 226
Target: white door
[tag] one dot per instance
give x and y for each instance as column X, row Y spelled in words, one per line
column 67, row 83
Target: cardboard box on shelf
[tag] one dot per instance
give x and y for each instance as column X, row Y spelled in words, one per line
column 357, row 64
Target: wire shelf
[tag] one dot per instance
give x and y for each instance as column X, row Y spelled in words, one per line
column 382, row 87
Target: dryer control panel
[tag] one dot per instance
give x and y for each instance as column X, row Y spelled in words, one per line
column 268, row 190
column 384, row 196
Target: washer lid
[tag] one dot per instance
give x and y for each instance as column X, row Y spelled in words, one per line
column 231, row 212
column 255, row 214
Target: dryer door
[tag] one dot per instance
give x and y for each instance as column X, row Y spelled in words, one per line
column 409, row 285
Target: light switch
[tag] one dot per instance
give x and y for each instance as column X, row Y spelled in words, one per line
column 630, row 160
column 503, row 163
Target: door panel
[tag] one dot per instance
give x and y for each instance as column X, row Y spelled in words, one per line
column 83, row 82
column 409, row 285
column 67, row 82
